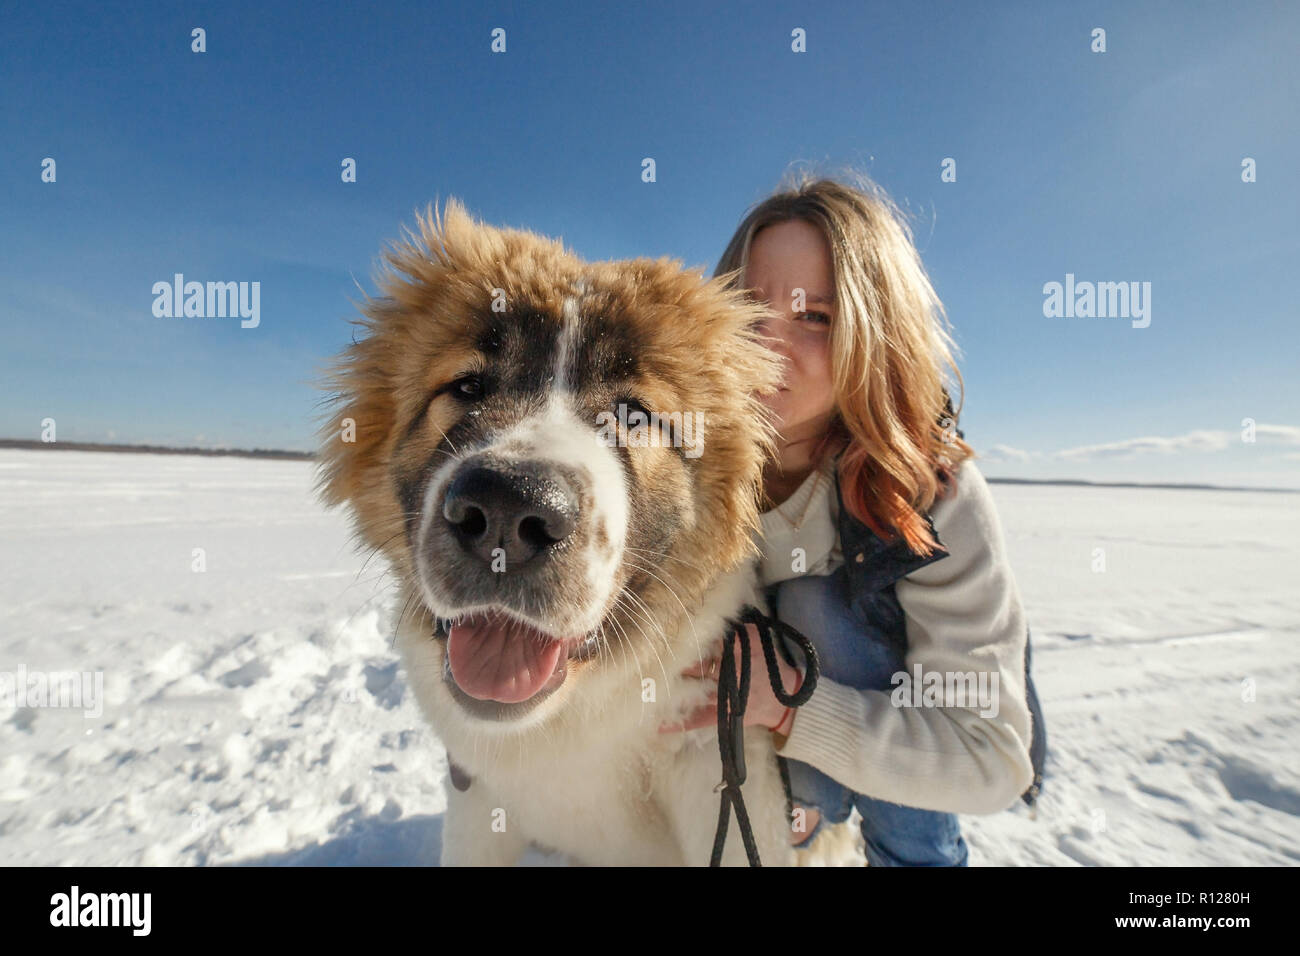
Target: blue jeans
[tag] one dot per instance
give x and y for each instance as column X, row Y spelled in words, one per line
column 852, row 655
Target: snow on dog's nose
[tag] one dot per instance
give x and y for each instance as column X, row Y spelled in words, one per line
column 511, row 511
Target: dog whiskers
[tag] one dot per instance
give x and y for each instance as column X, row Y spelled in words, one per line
column 689, row 618
column 644, row 612
column 669, row 557
column 626, row 643
column 650, row 641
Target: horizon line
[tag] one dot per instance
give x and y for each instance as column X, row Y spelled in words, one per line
column 289, row 455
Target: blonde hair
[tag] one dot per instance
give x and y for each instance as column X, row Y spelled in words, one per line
column 889, row 343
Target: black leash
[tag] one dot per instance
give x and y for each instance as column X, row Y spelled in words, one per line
column 732, row 698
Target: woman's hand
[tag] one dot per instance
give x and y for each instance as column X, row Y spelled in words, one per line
column 763, row 709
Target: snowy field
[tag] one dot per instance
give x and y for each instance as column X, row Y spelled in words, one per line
column 254, row 712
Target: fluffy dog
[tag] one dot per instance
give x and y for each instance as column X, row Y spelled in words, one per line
column 561, row 460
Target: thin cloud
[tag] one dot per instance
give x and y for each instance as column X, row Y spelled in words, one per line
column 1195, row 442
column 1007, row 453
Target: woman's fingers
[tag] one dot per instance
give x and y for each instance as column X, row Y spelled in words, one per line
column 705, row 670
column 760, row 700
column 701, row 669
column 710, row 668
column 706, row 715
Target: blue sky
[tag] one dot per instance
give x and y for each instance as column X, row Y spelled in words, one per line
column 224, row 165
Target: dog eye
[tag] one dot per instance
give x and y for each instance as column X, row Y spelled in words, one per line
column 471, row 386
column 631, row 405
column 628, row 405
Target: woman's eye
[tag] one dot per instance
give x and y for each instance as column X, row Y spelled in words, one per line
column 819, row 318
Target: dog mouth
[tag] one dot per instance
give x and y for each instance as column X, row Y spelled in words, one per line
column 493, row 656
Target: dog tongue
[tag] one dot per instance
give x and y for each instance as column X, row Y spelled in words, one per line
column 502, row 660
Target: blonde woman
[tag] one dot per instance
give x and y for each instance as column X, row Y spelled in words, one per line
column 881, row 540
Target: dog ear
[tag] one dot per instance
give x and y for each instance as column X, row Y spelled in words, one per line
column 352, row 440
column 362, row 381
column 443, row 245
column 448, row 236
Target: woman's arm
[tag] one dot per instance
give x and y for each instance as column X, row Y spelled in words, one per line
column 963, row 615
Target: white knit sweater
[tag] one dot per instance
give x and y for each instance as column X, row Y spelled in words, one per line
column 963, row 614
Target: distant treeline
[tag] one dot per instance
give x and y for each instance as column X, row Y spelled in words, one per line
column 273, row 453
column 269, row 453
column 1133, row 484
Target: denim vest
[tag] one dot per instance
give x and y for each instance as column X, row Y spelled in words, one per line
column 872, row 567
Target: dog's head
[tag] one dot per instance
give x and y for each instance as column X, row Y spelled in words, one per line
column 557, row 457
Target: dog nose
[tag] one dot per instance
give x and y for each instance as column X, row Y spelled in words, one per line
column 520, row 507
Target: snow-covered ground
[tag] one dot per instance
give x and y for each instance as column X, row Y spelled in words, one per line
column 254, row 711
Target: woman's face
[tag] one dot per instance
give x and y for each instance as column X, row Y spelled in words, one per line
column 784, row 258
